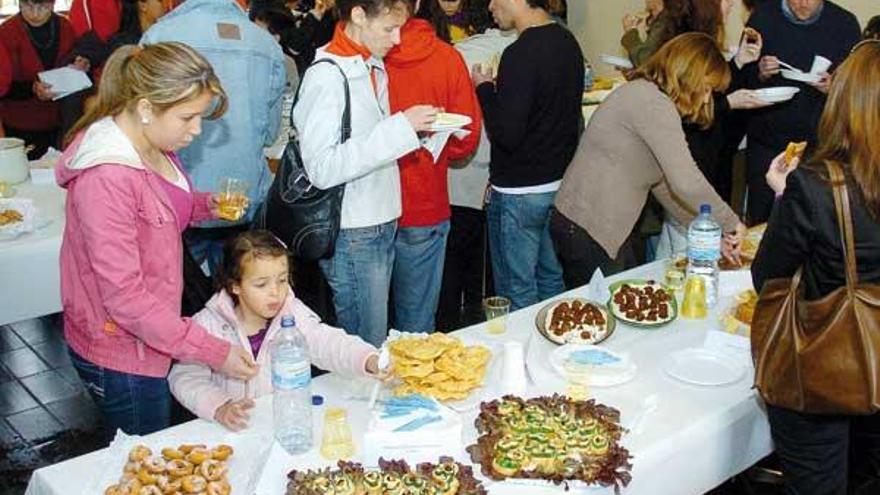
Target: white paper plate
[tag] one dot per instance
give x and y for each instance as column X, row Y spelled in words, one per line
column 612, row 374
column 450, row 121
column 29, row 221
column 705, row 367
column 800, row 76
column 623, row 63
column 777, row 94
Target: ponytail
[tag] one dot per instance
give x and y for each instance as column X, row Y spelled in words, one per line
column 164, row 74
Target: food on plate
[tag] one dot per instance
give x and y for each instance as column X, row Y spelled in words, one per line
column 643, row 302
column 446, row 477
column 794, row 150
column 751, row 35
column 449, row 119
column 752, row 240
column 576, row 321
column 438, row 365
column 185, row 469
column 602, row 83
column 551, row 438
column 745, row 309
column 738, row 319
column 10, row 216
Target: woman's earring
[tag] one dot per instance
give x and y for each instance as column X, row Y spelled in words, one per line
column 145, row 120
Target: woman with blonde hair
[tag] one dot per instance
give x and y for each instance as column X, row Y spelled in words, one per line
column 634, row 146
column 823, row 453
column 128, row 200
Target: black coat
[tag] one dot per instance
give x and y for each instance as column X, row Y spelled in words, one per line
column 803, row 230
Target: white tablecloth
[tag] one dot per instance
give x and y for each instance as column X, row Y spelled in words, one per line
column 696, row 438
column 29, row 270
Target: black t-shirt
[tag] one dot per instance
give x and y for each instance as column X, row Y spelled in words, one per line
column 533, row 112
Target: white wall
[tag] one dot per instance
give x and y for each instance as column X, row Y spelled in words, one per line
column 596, row 23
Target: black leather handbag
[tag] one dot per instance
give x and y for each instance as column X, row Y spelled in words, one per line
column 304, row 217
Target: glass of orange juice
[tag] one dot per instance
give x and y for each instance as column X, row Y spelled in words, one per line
column 497, row 309
column 232, row 201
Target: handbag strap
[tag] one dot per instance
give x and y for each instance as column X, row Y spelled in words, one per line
column 844, row 221
column 346, row 112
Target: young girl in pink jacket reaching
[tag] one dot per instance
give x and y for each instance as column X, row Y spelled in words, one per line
column 247, row 312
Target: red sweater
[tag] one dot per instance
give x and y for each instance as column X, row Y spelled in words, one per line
column 24, row 64
column 100, row 16
column 424, row 70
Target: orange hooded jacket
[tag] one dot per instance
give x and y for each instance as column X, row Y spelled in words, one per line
column 424, row 70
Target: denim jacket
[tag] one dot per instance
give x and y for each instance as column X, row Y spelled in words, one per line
column 250, row 65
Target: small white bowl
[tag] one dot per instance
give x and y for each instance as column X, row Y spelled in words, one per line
column 777, row 94
column 616, row 61
column 800, row 76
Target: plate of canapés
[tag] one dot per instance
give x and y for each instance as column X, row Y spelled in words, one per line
column 575, row 321
column 642, row 303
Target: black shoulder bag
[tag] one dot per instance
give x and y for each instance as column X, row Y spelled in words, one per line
column 304, row 217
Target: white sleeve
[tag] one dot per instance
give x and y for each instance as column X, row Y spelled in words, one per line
column 318, row 120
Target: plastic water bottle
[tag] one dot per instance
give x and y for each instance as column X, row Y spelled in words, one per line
column 292, row 396
column 704, row 251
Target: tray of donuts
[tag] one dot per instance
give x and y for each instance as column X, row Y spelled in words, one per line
column 174, row 464
column 186, row 468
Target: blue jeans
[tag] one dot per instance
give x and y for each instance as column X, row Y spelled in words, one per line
column 524, row 264
column 418, row 274
column 360, row 275
column 137, row 405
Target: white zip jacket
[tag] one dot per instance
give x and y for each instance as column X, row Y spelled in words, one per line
column 367, row 162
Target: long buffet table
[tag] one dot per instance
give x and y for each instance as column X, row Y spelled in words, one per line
column 684, row 438
column 29, row 268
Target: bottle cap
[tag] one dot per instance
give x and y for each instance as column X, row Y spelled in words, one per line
column 288, row 321
column 705, row 209
column 317, row 400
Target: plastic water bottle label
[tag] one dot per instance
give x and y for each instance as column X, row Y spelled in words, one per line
column 291, row 376
column 704, row 246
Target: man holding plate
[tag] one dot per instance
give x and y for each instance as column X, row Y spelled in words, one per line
column 804, row 40
column 532, row 112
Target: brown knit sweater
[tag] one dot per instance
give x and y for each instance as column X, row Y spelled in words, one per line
column 634, row 145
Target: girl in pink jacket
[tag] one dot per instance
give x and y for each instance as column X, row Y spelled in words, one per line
column 128, row 200
column 247, row 313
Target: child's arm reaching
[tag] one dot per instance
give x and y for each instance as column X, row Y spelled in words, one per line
column 331, row 348
column 191, row 385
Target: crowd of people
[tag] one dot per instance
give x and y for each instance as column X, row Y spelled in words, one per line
column 525, row 201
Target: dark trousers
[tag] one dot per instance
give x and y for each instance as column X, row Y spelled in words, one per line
column 580, row 254
column 465, row 272
column 758, row 158
column 137, row 405
column 827, row 455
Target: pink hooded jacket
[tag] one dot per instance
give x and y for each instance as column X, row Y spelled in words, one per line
column 202, row 391
column 121, row 261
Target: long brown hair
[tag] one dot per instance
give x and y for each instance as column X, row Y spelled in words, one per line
column 849, row 130
column 703, row 16
column 685, row 68
column 165, row 74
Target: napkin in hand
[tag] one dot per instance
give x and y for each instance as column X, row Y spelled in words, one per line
column 597, row 289
column 437, row 141
column 65, row 81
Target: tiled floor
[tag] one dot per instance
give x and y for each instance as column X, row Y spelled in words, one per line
column 45, row 414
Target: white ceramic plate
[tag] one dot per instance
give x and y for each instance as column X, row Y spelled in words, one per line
column 705, row 367
column 777, row 94
column 800, row 76
column 616, row 61
column 450, row 121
